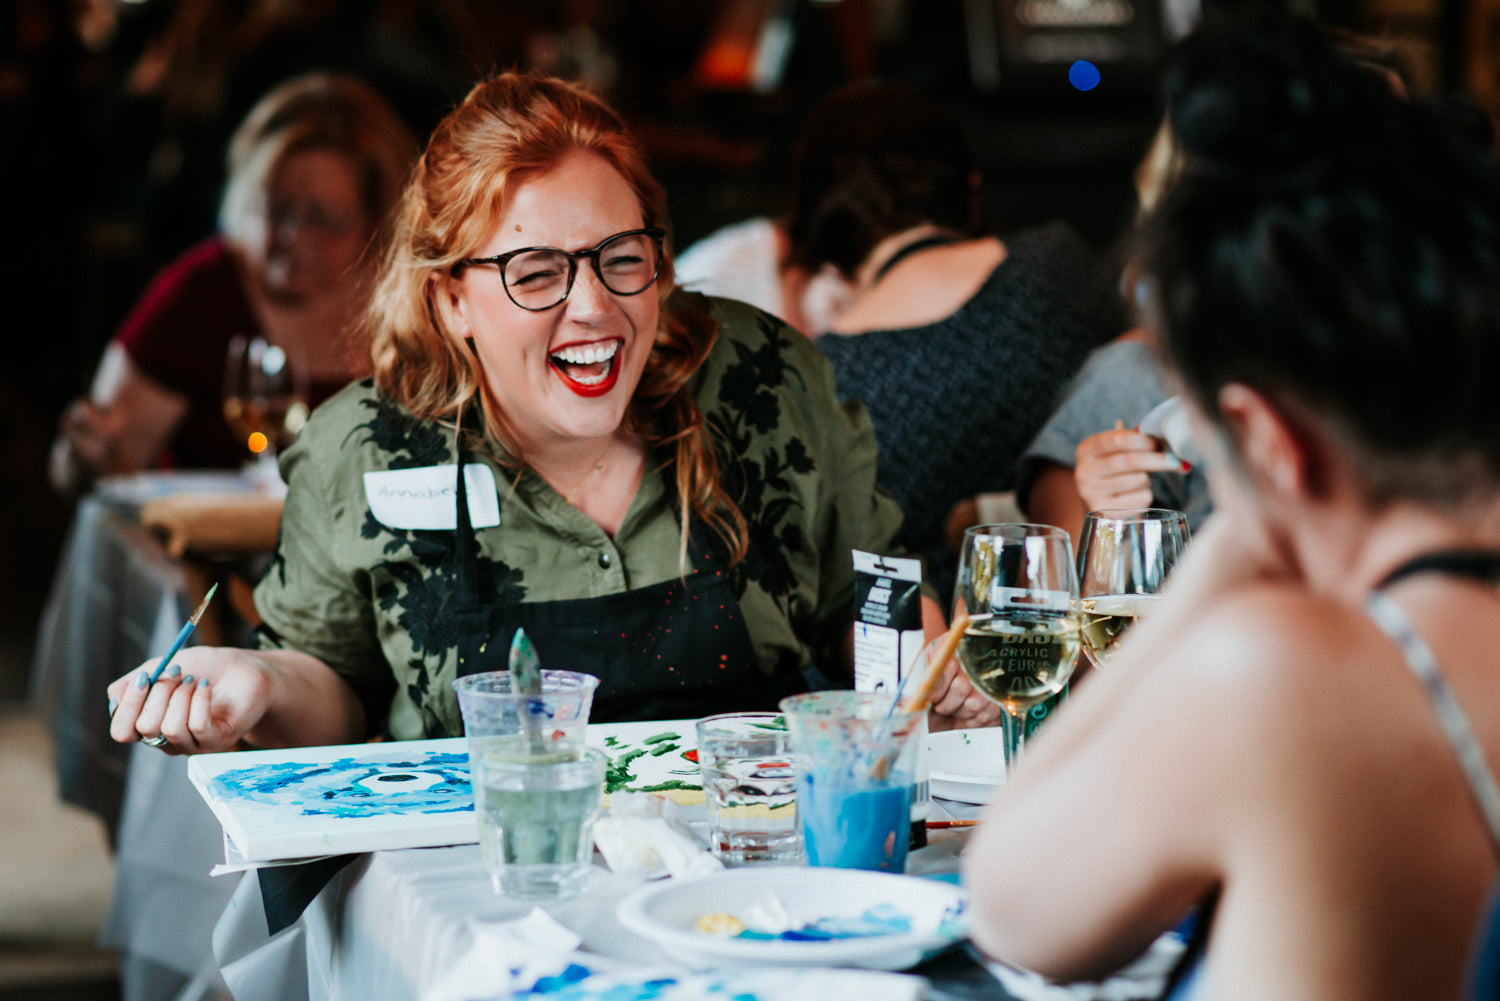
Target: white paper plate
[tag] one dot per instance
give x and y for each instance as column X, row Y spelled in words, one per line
column 966, row 765
column 668, row 913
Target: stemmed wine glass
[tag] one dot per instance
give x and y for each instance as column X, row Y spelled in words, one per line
column 1124, row 556
column 1019, row 585
column 265, row 401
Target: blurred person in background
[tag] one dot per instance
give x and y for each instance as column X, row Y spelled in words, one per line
column 957, row 341
column 1091, row 454
column 313, row 171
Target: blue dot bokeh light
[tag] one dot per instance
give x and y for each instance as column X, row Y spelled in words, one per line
column 1083, row 75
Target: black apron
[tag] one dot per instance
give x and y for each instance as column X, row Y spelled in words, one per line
column 674, row 650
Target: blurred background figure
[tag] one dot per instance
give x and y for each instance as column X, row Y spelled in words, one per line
column 1091, row 453
column 313, row 171
column 956, row 341
column 752, row 261
column 1094, row 453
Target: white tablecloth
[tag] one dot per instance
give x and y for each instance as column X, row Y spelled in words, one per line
column 118, row 598
column 392, row 923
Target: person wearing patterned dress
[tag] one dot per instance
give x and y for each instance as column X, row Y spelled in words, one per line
column 661, row 489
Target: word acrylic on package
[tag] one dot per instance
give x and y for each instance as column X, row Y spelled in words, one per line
column 308, row 802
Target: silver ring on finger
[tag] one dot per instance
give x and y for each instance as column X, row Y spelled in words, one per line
column 157, row 741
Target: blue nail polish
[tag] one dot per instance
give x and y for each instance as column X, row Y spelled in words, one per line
column 174, row 671
column 187, row 679
column 143, row 680
column 113, row 705
column 203, row 683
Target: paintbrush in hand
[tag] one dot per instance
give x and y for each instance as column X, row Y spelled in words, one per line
column 918, row 700
column 182, row 635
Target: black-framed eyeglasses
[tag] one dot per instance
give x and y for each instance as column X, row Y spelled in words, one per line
column 538, row 278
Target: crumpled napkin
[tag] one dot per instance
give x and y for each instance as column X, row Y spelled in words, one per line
column 643, row 836
column 1143, row 979
column 507, row 957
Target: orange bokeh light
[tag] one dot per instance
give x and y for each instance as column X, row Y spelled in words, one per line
column 258, row 442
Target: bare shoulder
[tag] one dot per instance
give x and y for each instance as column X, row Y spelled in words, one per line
column 1269, row 670
column 1263, row 643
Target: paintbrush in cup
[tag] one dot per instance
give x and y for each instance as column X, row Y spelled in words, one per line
column 526, row 679
column 921, row 696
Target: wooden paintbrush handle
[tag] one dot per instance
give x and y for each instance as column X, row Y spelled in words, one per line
column 917, row 701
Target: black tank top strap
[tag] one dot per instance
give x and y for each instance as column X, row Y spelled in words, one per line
column 1475, row 564
column 914, row 247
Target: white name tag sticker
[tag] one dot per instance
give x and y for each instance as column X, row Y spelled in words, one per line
column 426, row 499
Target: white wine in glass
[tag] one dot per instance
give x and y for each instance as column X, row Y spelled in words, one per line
column 265, row 398
column 1124, row 556
column 1019, row 585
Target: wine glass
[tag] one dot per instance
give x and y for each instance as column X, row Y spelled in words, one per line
column 265, row 401
column 1019, row 585
column 1124, row 556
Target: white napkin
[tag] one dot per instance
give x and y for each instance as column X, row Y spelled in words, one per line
column 507, row 957
column 643, row 836
column 1145, row 978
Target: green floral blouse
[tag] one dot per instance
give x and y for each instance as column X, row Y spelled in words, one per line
column 374, row 601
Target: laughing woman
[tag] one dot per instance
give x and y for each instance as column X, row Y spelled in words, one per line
column 660, row 488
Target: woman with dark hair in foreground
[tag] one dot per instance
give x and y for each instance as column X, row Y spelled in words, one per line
column 1297, row 744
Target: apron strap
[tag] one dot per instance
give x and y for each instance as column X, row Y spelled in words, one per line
column 465, row 546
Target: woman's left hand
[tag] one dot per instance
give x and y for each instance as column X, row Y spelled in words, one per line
column 956, row 703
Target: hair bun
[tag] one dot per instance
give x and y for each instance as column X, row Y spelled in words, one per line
column 1257, row 91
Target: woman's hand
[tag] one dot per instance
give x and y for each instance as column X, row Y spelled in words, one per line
column 212, row 698
column 207, row 700
column 954, row 701
column 957, row 704
column 87, row 446
column 1112, row 468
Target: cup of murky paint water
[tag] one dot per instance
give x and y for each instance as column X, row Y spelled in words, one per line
column 749, row 788
column 500, row 720
column 537, row 790
column 536, row 823
column 855, row 767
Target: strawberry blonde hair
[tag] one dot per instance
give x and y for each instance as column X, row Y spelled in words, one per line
column 509, row 128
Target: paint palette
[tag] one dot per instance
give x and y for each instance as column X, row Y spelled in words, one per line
column 305, row 802
column 822, row 917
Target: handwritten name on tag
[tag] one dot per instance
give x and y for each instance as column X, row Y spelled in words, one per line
column 425, row 499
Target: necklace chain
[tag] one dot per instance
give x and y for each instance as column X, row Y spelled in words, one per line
column 572, row 495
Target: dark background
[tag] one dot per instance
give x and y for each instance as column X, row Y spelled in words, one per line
column 114, row 116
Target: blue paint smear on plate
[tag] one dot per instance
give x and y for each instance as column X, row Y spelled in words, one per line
column 606, row 987
column 356, row 787
column 882, row 919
